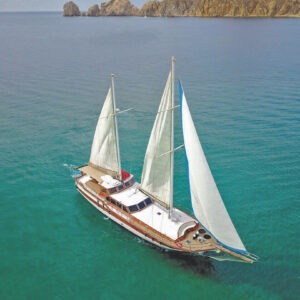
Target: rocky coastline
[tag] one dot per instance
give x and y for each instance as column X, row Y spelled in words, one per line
column 191, row 8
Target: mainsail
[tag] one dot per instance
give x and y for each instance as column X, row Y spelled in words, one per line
column 105, row 153
column 157, row 175
column 206, row 200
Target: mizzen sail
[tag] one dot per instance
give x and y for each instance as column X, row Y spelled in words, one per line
column 105, row 153
column 207, row 203
column 157, row 180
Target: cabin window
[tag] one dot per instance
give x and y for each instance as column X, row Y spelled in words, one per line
column 141, row 205
column 133, row 208
column 107, row 198
column 148, row 201
column 120, row 187
column 124, row 208
column 127, row 183
column 132, row 181
column 119, row 205
column 113, row 201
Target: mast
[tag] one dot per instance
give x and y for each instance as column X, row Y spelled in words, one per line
column 116, row 126
column 157, row 174
column 172, row 137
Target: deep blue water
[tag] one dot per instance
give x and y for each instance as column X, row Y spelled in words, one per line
column 242, row 82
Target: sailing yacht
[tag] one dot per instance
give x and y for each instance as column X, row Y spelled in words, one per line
column 146, row 209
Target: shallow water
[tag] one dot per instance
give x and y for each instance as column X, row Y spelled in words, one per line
column 242, row 82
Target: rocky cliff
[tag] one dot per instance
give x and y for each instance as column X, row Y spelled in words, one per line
column 193, row 8
column 71, row 9
column 166, row 8
column 222, row 8
column 94, row 11
column 118, row 8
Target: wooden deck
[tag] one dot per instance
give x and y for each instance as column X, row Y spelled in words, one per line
column 191, row 245
column 93, row 185
column 185, row 243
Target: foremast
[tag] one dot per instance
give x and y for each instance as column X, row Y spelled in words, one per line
column 105, row 152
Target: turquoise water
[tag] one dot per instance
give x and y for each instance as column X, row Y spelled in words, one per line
column 242, row 81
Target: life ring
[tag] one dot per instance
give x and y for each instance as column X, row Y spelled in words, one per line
column 179, row 245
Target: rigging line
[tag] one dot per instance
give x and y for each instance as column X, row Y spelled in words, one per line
column 125, row 110
column 117, row 113
column 144, row 112
column 177, row 148
column 168, row 109
column 151, row 113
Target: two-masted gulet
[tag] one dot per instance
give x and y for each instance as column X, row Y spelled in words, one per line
column 146, row 209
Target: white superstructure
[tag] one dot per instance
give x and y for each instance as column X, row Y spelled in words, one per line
column 154, row 215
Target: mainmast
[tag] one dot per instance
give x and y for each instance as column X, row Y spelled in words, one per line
column 116, row 126
column 157, row 175
column 172, row 136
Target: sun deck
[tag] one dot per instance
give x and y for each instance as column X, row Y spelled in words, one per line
column 158, row 218
column 131, row 195
column 92, row 172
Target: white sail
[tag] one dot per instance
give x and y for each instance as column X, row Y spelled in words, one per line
column 105, row 149
column 156, row 175
column 206, row 200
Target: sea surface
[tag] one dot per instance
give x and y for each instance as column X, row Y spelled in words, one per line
column 242, row 82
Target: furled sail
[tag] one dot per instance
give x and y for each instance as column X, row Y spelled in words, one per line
column 206, row 200
column 105, row 148
column 156, row 176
